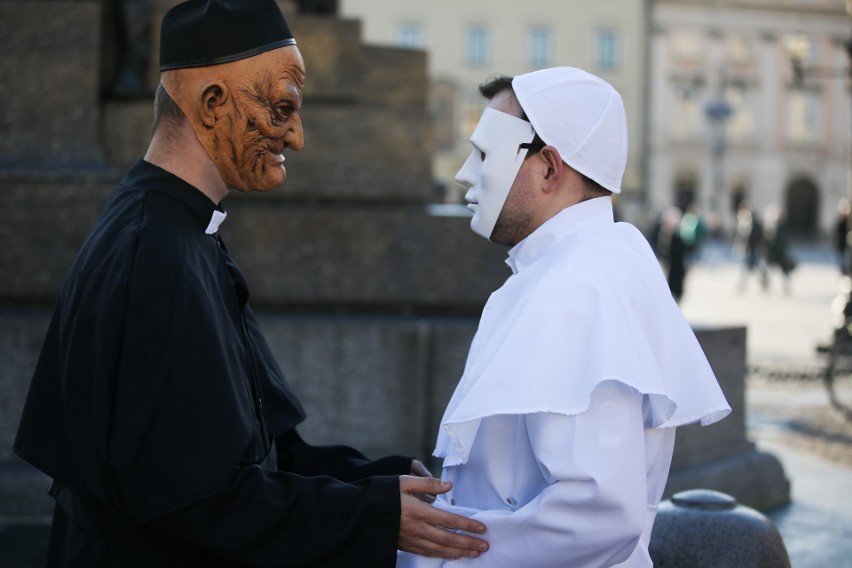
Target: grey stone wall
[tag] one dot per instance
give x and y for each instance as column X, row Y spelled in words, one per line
column 48, row 76
column 381, row 383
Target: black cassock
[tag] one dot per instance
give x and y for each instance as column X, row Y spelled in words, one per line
column 167, row 426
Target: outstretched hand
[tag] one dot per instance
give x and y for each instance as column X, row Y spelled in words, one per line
column 429, row 531
column 420, row 470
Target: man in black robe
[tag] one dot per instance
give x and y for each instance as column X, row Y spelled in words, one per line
column 156, row 405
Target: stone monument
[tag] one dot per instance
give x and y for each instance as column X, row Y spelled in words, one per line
column 368, row 298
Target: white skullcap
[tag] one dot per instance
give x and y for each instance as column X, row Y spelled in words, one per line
column 582, row 116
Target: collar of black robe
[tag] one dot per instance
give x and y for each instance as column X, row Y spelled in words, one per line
column 208, row 214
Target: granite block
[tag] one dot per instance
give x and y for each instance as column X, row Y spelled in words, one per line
column 49, row 80
column 362, row 257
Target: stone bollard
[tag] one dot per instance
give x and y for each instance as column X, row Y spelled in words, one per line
column 701, row 528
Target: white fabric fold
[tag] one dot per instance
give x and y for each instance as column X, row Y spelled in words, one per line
column 588, row 304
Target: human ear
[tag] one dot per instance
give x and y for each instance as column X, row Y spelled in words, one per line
column 554, row 165
column 213, row 97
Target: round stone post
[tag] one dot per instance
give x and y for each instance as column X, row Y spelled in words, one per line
column 701, row 528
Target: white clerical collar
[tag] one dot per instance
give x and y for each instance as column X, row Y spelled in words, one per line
column 567, row 222
column 215, row 221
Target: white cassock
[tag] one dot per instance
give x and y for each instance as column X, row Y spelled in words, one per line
column 560, row 434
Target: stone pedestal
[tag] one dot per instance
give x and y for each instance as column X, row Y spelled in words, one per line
column 720, row 456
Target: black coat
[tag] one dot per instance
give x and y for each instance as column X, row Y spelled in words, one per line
column 156, row 401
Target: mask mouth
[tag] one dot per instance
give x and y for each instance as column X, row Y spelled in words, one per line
column 472, row 204
column 275, row 155
column 273, row 159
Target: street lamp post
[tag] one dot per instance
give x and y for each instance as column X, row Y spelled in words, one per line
column 717, row 112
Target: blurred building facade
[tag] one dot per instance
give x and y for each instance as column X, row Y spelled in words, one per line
column 717, row 115
column 468, row 42
column 732, row 122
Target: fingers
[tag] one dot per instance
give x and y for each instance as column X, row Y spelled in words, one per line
column 451, row 521
column 426, row 497
column 424, row 530
column 410, row 484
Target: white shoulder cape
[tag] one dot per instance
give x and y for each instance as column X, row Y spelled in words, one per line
column 588, row 304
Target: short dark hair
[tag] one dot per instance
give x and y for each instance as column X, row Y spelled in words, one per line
column 166, row 107
column 498, row 84
column 494, row 85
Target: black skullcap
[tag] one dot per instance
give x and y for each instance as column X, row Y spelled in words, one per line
column 198, row 33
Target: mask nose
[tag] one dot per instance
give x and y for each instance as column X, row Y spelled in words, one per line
column 467, row 174
column 295, row 137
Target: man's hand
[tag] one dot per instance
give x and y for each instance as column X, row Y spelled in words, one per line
column 419, row 470
column 428, row 531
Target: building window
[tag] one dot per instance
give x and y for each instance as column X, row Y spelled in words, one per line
column 738, row 50
column 607, row 49
column 686, row 114
column 540, row 47
column 410, row 35
column 803, row 117
column 476, row 45
column 686, row 46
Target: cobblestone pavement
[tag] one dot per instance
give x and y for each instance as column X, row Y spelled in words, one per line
column 787, row 407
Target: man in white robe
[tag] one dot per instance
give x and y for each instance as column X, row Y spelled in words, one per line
column 560, row 434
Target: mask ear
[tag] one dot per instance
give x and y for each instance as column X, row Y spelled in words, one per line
column 213, row 97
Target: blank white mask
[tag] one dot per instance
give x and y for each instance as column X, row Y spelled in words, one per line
column 493, row 164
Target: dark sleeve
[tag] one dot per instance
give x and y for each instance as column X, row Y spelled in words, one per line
column 341, row 462
column 269, row 518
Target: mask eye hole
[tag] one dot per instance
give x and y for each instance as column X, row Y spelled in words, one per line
column 482, row 155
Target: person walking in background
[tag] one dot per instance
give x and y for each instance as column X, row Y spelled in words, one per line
column 777, row 244
column 560, row 433
column 693, row 231
column 841, row 235
column 673, row 250
column 750, row 245
column 156, row 405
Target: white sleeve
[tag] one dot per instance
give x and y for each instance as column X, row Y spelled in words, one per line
column 594, row 509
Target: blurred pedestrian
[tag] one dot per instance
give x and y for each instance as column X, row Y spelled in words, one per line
column 692, row 230
column 715, row 247
column 749, row 243
column 777, row 243
column 673, row 250
column 841, row 235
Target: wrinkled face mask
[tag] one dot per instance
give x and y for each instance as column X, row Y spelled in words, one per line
column 261, row 123
column 258, row 119
column 493, row 164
